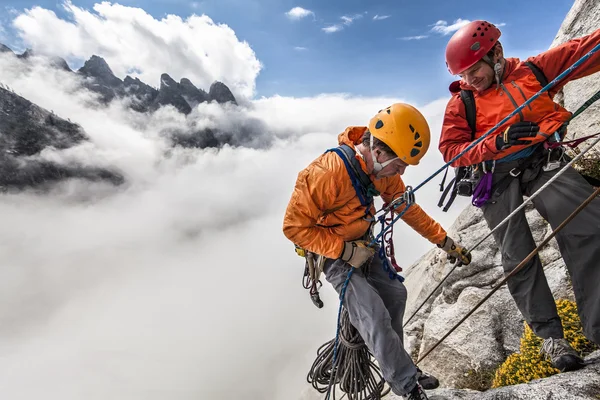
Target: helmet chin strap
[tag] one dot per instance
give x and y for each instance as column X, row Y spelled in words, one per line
column 497, row 67
column 377, row 166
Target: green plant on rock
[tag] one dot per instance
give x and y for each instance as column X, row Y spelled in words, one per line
column 588, row 165
column 529, row 363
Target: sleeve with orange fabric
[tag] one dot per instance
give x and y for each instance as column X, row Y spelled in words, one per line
column 313, row 193
column 456, row 137
column 554, row 61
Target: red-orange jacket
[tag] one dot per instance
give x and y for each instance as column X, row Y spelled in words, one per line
column 325, row 211
column 518, row 85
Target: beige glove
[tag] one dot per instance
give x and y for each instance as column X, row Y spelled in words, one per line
column 455, row 251
column 356, row 253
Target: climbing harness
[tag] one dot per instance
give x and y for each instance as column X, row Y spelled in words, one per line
column 407, row 200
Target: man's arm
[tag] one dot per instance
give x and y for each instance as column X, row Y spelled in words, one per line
column 314, row 192
column 456, row 137
column 554, row 61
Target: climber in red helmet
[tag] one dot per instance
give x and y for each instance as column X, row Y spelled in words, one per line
column 517, row 161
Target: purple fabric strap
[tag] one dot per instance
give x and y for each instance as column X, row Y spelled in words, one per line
column 483, row 190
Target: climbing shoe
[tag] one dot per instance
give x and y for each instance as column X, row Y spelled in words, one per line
column 427, row 382
column 561, row 354
column 416, row 394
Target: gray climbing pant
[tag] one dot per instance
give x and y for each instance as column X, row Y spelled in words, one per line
column 375, row 305
column 578, row 241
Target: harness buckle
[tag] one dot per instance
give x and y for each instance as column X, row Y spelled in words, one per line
column 515, row 172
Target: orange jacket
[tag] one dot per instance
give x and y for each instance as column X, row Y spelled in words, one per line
column 325, row 211
column 518, row 85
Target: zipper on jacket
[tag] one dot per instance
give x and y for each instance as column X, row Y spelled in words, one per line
column 522, row 94
column 512, row 100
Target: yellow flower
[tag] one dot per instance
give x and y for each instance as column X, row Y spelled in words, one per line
column 529, row 364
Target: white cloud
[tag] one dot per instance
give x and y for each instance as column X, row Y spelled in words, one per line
column 349, row 19
column 332, row 28
column 380, row 17
column 297, row 13
column 442, row 26
column 300, row 48
column 418, row 37
column 181, row 281
column 131, row 39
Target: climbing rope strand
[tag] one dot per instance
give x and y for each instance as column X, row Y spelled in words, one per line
column 585, row 105
column 519, row 267
column 535, row 194
column 518, row 109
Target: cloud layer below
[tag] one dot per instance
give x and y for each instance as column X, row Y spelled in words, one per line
column 179, row 284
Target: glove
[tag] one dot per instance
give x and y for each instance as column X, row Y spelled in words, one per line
column 455, row 251
column 517, row 134
column 356, row 253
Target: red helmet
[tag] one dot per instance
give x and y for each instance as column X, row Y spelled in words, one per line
column 469, row 44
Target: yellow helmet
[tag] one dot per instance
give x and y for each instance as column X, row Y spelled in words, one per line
column 404, row 129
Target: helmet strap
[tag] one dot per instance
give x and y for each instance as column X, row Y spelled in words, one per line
column 377, row 166
column 497, row 67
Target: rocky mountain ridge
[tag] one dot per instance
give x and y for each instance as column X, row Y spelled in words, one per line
column 99, row 78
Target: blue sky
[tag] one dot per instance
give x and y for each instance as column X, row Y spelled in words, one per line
column 367, row 56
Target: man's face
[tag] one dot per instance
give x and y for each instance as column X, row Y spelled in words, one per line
column 480, row 76
column 396, row 167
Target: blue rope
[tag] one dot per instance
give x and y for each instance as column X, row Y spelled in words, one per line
column 337, row 334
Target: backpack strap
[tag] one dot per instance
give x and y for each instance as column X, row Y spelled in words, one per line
column 470, row 110
column 365, row 190
column 539, row 74
column 470, row 113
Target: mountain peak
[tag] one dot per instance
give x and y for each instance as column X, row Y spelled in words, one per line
column 221, row 93
column 97, row 67
column 5, row 49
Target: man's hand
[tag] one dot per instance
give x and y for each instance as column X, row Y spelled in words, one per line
column 455, row 251
column 356, row 253
column 516, row 134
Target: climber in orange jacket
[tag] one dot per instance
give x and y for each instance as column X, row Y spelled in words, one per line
column 329, row 216
column 517, row 160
